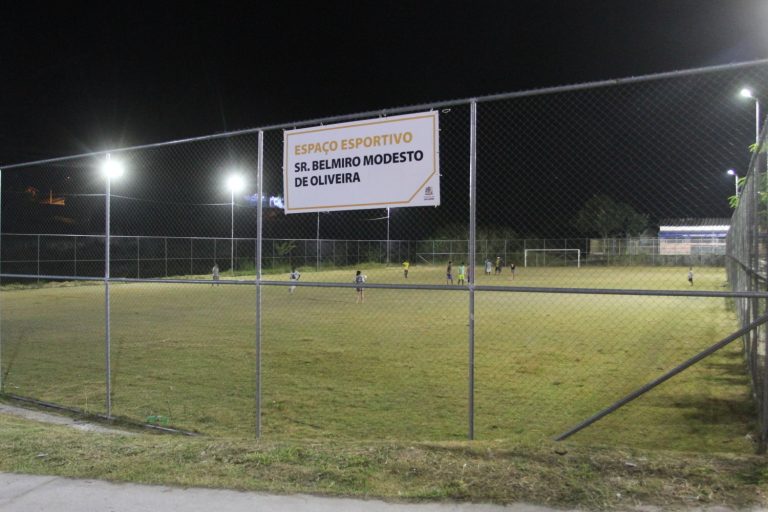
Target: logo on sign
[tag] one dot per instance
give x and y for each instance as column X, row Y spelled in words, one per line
column 429, row 194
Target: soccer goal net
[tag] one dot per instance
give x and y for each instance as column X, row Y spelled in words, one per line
column 553, row 258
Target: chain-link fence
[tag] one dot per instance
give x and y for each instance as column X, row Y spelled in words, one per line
column 537, row 293
column 155, row 256
column 747, row 265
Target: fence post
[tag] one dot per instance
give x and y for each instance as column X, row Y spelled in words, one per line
column 505, row 251
column 259, row 180
column 759, row 334
column 138, row 257
column 107, row 325
column 75, row 238
column 191, row 241
column 165, row 240
column 38, row 258
column 1, row 264
column 472, row 236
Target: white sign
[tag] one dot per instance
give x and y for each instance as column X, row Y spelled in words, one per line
column 390, row 162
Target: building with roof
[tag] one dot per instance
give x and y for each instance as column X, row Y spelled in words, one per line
column 693, row 236
column 694, row 228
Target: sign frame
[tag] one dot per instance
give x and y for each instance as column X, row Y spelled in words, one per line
column 376, row 150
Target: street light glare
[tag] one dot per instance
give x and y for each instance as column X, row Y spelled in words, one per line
column 731, row 172
column 112, row 168
column 235, row 183
column 747, row 93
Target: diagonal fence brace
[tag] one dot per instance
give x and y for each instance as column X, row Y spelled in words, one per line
column 678, row 369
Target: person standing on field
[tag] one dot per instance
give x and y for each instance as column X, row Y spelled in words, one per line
column 449, row 273
column 215, row 273
column 498, row 265
column 406, row 264
column 690, row 275
column 462, row 271
column 512, row 269
column 359, row 281
column 488, row 267
column 295, row 275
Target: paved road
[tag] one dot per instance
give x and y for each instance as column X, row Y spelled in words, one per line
column 26, row 493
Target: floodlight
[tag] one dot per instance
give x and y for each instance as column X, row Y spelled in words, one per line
column 112, row 168
column 747, row 93
column 733, row 173
column 235, row 183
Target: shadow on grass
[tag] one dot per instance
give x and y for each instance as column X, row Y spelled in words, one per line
column 734, row 368
column 728, row 369
column 717, row 411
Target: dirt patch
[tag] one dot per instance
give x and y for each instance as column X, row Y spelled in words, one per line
column 44, row 417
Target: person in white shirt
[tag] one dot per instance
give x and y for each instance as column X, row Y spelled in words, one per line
column 295, row 275
column 359, row 280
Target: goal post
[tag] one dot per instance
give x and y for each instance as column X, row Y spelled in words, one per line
column 563, row 252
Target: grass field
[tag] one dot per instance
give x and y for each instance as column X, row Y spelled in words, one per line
column 396, row 366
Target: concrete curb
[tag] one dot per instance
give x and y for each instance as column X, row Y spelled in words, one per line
column 27, row 493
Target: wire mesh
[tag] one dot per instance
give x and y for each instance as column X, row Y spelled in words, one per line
column 573, row 185
column 746, row 267
column 54, row 354
column 194, row 372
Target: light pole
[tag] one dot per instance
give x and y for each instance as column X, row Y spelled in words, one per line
column 112, row 169
column 235, row 183
column 317, row 243
column 387, row 218
column 748, row 93
column 387, row 235
column 735, row 180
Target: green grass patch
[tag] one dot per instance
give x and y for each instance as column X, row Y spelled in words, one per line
column 395, row 367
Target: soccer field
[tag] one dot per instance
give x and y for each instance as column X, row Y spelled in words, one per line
column 396, row 366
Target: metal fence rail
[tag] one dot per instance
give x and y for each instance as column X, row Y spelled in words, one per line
column 110, row 302
column 156, row 256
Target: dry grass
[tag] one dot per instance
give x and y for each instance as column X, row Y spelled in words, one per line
column 559, row 475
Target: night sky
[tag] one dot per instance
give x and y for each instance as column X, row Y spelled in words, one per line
column 78, row 80
column 103, row 76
